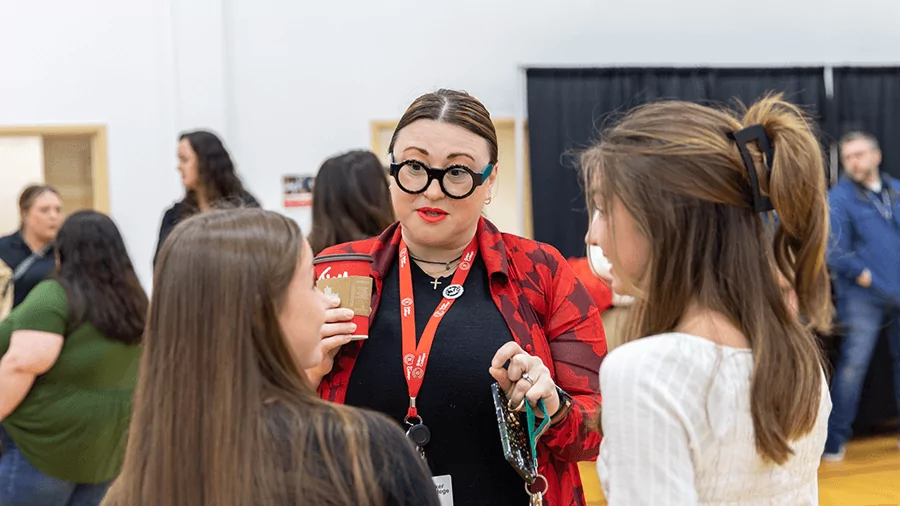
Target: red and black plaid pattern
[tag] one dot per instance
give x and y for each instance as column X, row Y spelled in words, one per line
column 550, row 315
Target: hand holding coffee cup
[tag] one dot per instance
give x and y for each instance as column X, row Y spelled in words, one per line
column 337, row 331
column 339, row 326
column 346, row 277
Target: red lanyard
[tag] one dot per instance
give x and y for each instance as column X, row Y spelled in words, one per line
column 415, row 358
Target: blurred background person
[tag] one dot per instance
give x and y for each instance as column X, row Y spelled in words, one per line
column 26, row 256
column 63, row 436
column 615, row 308
column 224, row 414
column 351, row 200
column 209, row 180
column 865, row 262
column 595, row 285
column 594, row 272
column 513, row 300
column 700, row 392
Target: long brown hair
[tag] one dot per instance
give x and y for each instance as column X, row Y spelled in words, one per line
column 222, row 414
column 351, row 200
column 676, row 171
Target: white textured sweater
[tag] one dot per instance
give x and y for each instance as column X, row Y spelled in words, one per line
column 678, row 430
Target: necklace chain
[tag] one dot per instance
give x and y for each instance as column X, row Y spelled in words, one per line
column 448, row 267
column 439, row 274
column 432, row 262
column 436, row 276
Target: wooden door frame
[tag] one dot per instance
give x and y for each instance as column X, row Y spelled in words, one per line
column 99, row 161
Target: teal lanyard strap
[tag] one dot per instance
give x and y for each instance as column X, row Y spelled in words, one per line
column 535, row 433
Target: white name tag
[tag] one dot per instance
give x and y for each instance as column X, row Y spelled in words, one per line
column 444, row 486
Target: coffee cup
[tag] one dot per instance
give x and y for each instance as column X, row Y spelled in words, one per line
column 347, row 276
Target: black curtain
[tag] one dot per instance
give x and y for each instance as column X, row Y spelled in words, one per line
column 568, row 107
column 869, row 99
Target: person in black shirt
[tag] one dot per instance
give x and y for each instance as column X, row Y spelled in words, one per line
column 40, row 207
column 512, row 300
column 209, row 180
column 471, row 334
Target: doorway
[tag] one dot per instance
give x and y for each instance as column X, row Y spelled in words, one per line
column 70, row 158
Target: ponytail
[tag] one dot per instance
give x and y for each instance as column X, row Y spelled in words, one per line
column 788, row 373
column 797, row 190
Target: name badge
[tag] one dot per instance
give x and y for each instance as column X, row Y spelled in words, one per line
column 444, row 486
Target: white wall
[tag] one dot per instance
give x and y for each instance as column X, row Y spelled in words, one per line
column 290, row 83
column 309, row 77
column 99, row 61
column 21, row 164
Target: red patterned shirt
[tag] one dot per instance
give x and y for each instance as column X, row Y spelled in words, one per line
column 550, row 315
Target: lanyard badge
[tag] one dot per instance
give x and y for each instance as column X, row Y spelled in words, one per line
column 415, row 357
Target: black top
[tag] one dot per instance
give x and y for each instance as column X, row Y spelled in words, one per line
column 176, row 214
column 13, row 251
column 455, row 401
column 400, row 476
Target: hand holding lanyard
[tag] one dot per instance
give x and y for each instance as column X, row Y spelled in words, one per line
column 519, row 444
column 415, row 357
column 537, row 498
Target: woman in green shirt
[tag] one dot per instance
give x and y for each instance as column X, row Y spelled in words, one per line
column 70, row 355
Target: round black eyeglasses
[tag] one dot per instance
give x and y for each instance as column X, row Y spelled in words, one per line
column 456, row 181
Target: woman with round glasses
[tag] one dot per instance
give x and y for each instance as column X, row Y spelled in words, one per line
column 457, row 306
column 456, row 181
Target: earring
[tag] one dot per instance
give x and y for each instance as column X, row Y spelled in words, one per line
column 488, row 200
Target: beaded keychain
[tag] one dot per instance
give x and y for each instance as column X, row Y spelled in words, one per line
column 520, row 443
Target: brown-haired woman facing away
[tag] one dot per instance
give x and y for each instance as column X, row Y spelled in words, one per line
column 720, row 395
column 223, row 414
column 351, row 200
column 69, row 363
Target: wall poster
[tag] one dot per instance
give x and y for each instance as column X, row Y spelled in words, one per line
column 297, row 190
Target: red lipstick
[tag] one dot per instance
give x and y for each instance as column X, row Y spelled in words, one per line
column 431, row 214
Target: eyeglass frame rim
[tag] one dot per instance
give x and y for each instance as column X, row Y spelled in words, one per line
column 479, row 180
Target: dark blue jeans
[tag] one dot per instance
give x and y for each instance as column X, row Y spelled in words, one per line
column 863, row 320
column 21, row 484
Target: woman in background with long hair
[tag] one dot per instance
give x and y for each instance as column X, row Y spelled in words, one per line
column 351, row 200
column 224, row 414
column 209, row 180
column 70, row 358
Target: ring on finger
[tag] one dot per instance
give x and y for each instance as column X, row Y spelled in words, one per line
column 527, row 377
column 517, row 408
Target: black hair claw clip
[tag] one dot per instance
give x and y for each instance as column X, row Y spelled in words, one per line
column 761, row 203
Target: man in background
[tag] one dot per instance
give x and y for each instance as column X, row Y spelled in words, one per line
column 864, row 259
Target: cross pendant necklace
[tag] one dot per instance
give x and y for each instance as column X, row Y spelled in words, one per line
column 447, row 267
